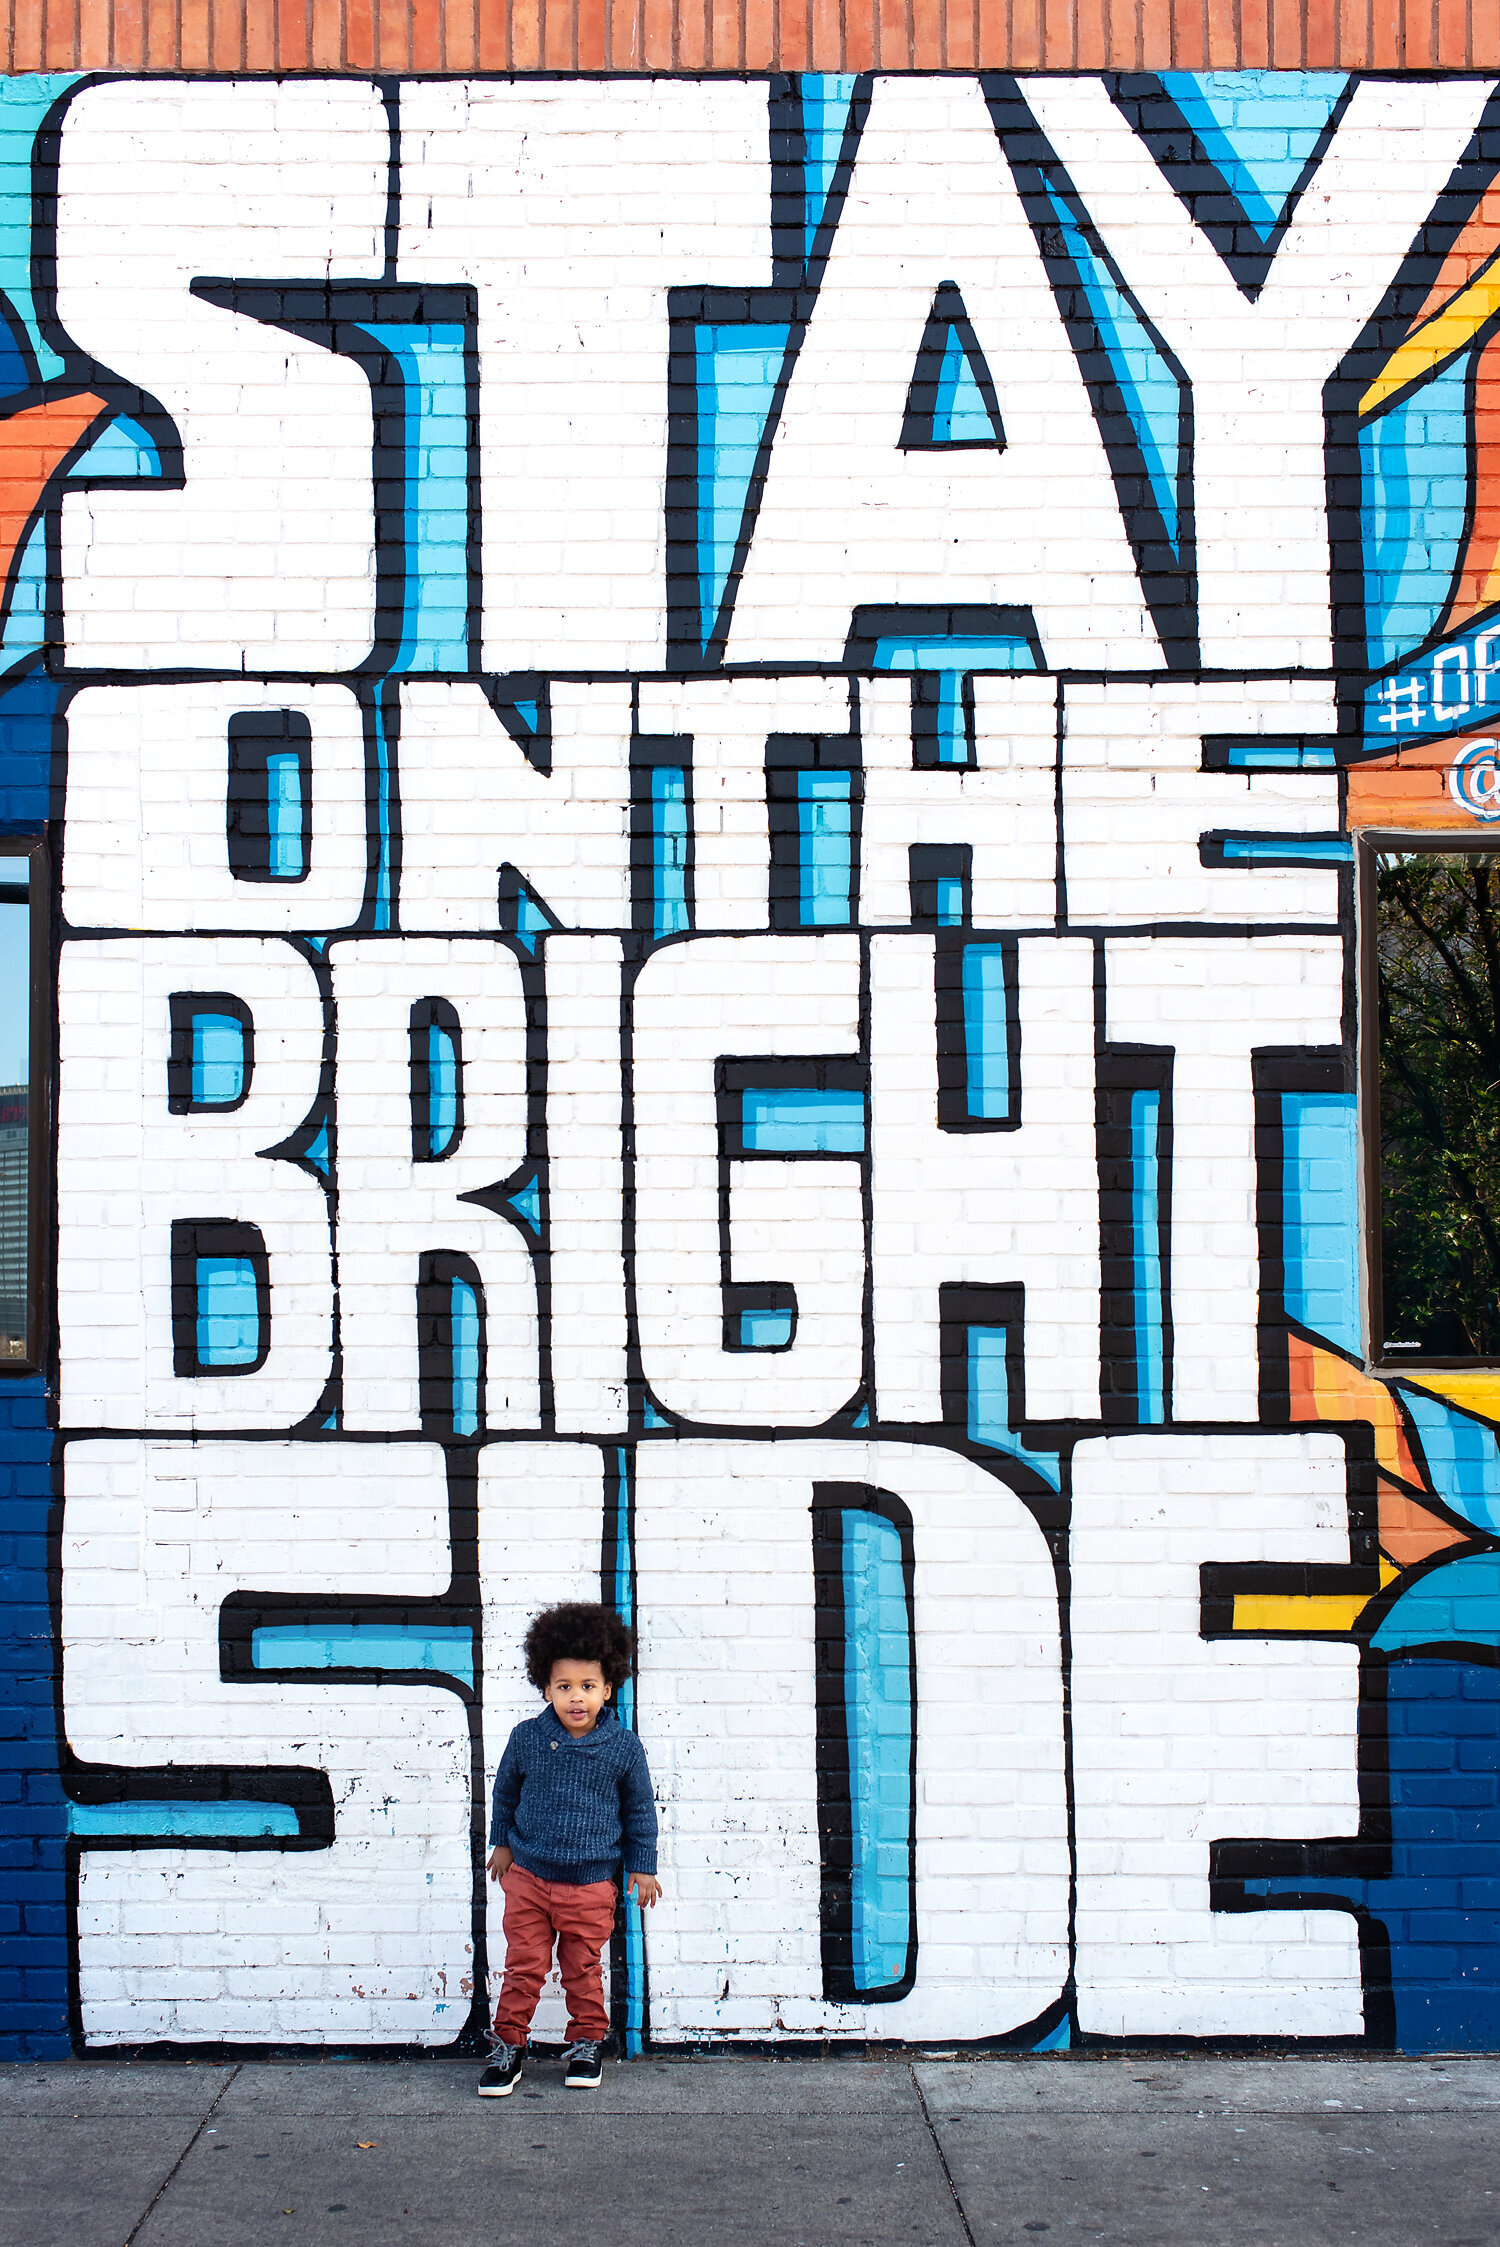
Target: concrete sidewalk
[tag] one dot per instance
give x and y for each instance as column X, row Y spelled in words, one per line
column 997, row 2152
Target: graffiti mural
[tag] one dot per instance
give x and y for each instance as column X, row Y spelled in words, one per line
column 704, row 746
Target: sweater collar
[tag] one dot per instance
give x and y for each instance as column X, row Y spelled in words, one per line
column 558, row 1732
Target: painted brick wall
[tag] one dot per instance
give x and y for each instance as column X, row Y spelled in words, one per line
column 703, row 743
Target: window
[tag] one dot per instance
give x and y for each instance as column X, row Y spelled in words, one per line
column 1432, row 935
column 23, row 901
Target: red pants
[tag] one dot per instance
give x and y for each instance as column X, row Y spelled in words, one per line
column 582, row 1918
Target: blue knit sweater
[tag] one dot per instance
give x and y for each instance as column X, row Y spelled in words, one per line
column 567, row 1809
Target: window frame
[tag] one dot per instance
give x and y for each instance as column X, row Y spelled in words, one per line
column 1371, row 843
column 38, row 1149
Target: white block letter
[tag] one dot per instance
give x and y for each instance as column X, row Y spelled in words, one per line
column 1180, row 1741
column 790, row 1223
column 847, row 516
column 1000, row 1207
column 404, row 1173
column 1215, row 1001
column 135, row 1167
column 156, row 775
column 575, row 209
column 264, row 560
column 727, row 1710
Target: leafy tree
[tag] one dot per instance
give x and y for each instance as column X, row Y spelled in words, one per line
column 1438, row 953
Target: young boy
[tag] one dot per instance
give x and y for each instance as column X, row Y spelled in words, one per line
column 571, row 1796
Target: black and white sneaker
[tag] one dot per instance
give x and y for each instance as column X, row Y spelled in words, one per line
column 585, row 2067
column 503, row 2073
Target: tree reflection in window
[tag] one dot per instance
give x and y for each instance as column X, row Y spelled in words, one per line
column 1437, row 945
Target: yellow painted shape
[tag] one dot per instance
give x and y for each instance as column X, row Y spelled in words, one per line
column 1263, row 1612
column 1437, row 341
column 1471, row 1392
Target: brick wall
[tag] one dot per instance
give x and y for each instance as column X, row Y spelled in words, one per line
column 696, row 35
column 703, row 742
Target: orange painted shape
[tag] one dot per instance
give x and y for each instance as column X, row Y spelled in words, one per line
column 1409, row 788
column 1477, row 243
column 34, row 442
column 1408, row 1532
column 1325, row 1386
column 1478, row 584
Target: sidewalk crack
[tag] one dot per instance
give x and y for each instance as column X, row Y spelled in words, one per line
column 937, row 2147
column 208, row 2114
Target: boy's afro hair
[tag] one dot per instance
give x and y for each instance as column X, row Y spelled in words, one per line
column 578, row 1632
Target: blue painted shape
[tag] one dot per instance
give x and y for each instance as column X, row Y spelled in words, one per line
column 527, row 1204
column 1462, row 1456
column 765, row 1330
column 123, row 449
column 286, row 815
column 1320, row 1214
column 382, row 914
column 1458, row 1600
column 26, row 714
column 525, row 917
column 619, row 1584
column 465, row 1330
column 532, row 923
column 1059, row 2039
column 878, row 1714
column 1414, row 497
column 228, row 1311
column 33, row 1808
column 986, row 1033
column 989, row 1404
column 861, row 1418
column 442, row 1090
column 24, row 102
column 950, row 901
column 653, row 1420
column 15, row 375
column 448, row 1648
column 435, row 608
column 1283, row 850
column 825, row 114
column 530, row 714
column 737, row 370
column 218, row 1060
column 960, row 415
column 932, row 651
column 669, row 850
column 801, row 1120
column 1152, row 392
column 26, row 619
column 1259, row 129
column 1452, row 687
column 1281, row 756
column 1440, row 1903
column 184, row 1821
column 825, row 830
column 952, row 725
column 1145, row 1254
column 317, row 1152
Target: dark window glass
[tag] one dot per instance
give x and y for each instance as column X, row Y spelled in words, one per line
column 16, row 1021
column 1437, row 942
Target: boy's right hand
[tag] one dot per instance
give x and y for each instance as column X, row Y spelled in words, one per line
column 499, row 1863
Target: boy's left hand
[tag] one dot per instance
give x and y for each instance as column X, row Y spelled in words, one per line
column 645, row 1887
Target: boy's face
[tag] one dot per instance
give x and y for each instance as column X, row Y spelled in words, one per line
column 577, row 1691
